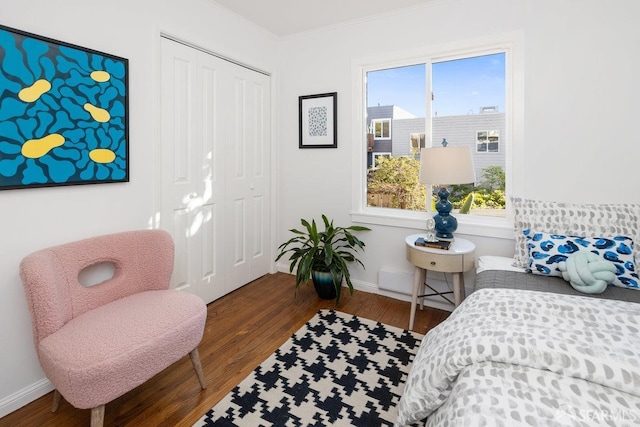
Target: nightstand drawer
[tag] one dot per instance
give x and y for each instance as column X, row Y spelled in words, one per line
column 446, row 263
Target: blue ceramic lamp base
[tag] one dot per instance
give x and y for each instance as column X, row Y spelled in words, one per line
column 445, row 223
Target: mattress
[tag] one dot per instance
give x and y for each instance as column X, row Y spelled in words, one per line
column 497, row 273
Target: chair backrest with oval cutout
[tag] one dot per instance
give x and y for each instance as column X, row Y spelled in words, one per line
column 141, row 260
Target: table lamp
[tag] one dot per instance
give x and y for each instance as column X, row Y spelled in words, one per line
column 446, row 166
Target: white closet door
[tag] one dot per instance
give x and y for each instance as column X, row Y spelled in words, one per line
column 248, row 157
column 214, row 169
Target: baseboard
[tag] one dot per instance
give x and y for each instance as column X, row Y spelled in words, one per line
column 373, row 288
column 25, row 396
column 432, row 302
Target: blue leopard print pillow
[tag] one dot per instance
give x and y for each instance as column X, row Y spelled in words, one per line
column 547, row 250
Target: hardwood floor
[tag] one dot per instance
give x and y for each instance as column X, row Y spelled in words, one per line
column 243, row 329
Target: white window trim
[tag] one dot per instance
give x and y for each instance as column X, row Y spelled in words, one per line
column 381, row 138
column 419, row 147
column 512, row 43
column 487, row 151
column 376, row 154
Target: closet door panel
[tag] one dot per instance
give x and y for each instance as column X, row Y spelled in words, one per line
column 214, row 167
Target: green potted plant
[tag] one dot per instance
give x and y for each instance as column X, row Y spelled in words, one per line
column 323, row 256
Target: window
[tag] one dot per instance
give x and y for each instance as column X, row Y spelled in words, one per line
column 417, row 142
column 378, row 156
column 431, row 100
column 381, row 128
column 488, row 141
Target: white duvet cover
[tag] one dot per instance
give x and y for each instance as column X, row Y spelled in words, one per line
column 511, row 357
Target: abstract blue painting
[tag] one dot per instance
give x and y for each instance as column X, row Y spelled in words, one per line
column 63, row 113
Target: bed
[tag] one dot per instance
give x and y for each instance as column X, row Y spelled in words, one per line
column 530, row 349
column 498, row 272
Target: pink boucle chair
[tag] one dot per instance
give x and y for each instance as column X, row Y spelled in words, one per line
column 96, row 343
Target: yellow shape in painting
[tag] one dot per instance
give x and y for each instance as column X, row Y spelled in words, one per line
column 102, row 155
column 100, row 76
column 35, row 91
column 36, row 148
column 99, row 114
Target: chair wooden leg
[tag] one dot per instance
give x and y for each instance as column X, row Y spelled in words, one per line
column 56, row 400
column 97, row 416
column 197, row 366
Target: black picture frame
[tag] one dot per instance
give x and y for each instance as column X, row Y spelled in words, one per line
column 318, row 120
column 64, row 113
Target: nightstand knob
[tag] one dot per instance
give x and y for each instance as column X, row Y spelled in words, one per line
column 433, row 263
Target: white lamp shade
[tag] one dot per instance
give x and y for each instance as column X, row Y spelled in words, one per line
column 446, row 166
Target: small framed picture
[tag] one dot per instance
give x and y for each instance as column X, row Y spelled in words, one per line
column 318, row 120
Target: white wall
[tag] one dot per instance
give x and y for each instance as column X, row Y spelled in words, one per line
column 35, row 218
column 575, row 143
column 576, row 106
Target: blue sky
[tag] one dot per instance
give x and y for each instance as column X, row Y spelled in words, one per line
column 460, row 87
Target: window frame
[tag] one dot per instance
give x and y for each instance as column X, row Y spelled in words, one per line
column 487, row 151
column 509, row 43
column 379, row 154
column 382, row 121
column 421, row 136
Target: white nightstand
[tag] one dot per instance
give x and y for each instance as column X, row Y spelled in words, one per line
column 460, row 257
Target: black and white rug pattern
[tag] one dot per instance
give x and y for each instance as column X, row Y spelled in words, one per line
column 337, row 370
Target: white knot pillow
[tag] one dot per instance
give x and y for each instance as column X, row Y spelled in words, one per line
column 588, row 272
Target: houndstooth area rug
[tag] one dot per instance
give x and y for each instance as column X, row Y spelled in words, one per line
column 337, row 370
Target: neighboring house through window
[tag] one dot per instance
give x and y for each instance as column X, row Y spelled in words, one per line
column 460, row 98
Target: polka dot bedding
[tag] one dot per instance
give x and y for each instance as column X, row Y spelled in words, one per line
column 517, row 358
